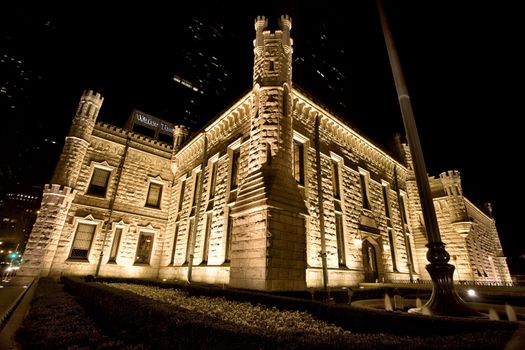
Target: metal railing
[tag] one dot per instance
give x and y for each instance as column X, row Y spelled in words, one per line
column 460, row 283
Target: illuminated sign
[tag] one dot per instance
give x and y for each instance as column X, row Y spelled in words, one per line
column 144, row 119
column 150, row 122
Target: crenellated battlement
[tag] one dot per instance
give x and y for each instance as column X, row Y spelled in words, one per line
column 261, row 23
column 58, row 190
column 449, row 173
column 273, row 53
column 115, row 130
column 86, row 115
column 285, row 23
column 92, row 96
column 451, row 181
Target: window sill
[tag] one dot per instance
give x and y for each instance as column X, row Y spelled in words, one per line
column 78, row 260
column 94, row 195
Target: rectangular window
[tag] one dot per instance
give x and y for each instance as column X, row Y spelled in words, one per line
column 392, row 248
column 115, row 246
column 99, row 182
column 181, row 195
column 229, row 239
column 213, row 179
column 173, row 250
column 235, row 169
column 144, row 248
column 82, row 241
column 403, row 209
column 364, row 190
column 188, row 241
column 206, row 244
column 410, row 257
column 154, row 195
column 385, row 200
column 196, row 188
column 298, row 162
column 340, row 238
column 335, row 179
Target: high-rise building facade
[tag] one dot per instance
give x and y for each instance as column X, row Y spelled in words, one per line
column 275, row 193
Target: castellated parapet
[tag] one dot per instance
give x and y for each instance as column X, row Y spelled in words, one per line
column 257, row 200
column 451, row 181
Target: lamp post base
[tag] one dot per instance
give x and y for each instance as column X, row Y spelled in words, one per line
column 444, row 300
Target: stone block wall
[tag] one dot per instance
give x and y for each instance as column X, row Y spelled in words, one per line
column 45, row 236
column 354, row 154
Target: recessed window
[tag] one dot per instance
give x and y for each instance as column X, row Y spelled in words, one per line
column 392, row 248
column 385, row 201
column 82, row 241
column 403, row 209
column 174, row 249
column 116, row 244
column 335, row 179
column 196, row 188
column 154, row 195
column 363, row 182
column 298, row 162
column 213, row 179
column 206, row 244
column 99, row 182
column 340, row 238
column 188, row 241
column 181, row 195
column 409, row 251
column 235, row 169
column 229, row 239
column 144, row 248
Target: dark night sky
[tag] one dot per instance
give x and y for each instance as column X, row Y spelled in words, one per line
column 462, row 61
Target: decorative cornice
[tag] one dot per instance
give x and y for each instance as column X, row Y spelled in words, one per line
column 223, row 126
column 306, row 110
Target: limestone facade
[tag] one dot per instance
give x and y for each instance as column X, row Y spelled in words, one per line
column 275, row 193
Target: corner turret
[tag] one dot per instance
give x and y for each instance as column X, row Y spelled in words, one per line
column 273, row 53
column 86, row 115
column 77, row 141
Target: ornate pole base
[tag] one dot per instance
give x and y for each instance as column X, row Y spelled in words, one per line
column 444, row 300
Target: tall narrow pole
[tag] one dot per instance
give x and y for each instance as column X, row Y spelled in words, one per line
column 321, row 206
column 444, row 299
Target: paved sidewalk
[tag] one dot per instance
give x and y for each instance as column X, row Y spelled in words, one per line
column 15, row 297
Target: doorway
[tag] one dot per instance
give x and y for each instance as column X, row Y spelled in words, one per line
column 370, row 262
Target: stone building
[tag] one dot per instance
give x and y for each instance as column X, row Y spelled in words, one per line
column 275, row 193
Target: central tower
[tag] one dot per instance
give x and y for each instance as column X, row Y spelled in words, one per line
column 269, row 236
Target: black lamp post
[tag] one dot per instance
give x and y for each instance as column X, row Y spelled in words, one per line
column 444, row 299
